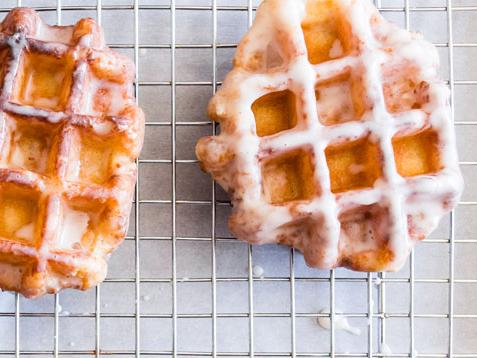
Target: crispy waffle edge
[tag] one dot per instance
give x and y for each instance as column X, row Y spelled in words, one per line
column 367, row 223
column 70, row 139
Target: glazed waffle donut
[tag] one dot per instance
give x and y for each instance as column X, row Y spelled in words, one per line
column 335, row 135
column 71, row 133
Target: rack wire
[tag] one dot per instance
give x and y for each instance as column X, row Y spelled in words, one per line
column 376, row 303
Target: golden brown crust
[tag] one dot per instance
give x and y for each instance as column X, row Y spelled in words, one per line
column 335, row 135
column 71, row 135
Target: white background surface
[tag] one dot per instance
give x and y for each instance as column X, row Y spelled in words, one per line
column 273, row 327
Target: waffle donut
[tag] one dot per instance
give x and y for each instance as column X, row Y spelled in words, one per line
column 335, row 135
column 71, row 133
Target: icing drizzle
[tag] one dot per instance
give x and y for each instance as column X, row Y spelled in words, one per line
column 234, row 157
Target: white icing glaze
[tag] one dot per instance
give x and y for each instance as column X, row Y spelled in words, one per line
column 102, row 128
column 381, row 44
column 112, row 91
column 385, row 350
column 86, row 40
column 74, row 226
column 16, row 42
column 334, row 100
column 336, row 49
column 258, row 271
column 26, row 232
column 339, row 322
column 46, row 33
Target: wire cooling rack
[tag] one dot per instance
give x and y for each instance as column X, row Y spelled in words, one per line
column 181, row 285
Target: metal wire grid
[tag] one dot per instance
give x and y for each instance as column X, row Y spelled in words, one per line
column 377, row 331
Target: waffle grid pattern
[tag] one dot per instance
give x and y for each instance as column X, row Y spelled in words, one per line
column 63, row 138
column 321, row 136
column 388, row 192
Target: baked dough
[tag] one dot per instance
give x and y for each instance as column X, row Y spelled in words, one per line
column 71, row 135
column 335, row 135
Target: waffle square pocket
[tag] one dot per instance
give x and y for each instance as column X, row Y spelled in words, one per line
column 339, row 142
column 71, row 135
